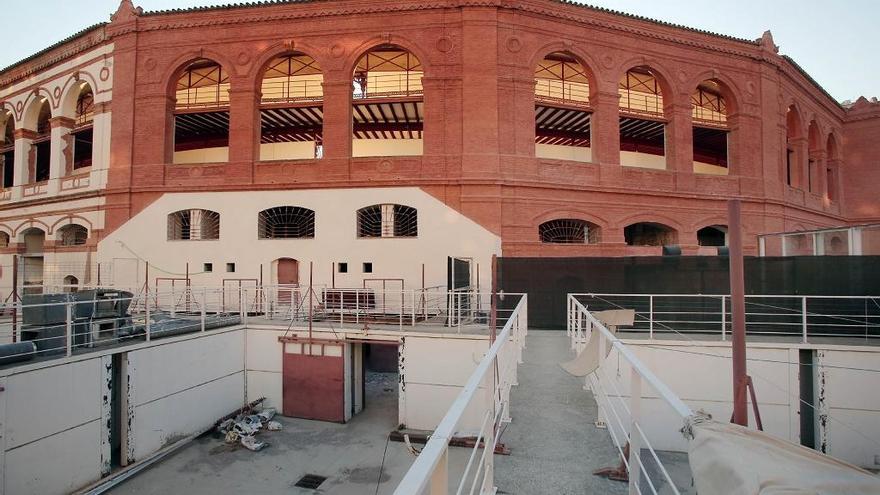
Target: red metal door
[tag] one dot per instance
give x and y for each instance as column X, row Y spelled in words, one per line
column 288, row 276
column 313, row 382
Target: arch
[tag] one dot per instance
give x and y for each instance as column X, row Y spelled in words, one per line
column 645, row 97
column 650, row 234
column 261, row 63
column 193, row 225
column 580, row 56
column 72, row 235
column 33, row 106
column 71, row 283
column 176, row 68
column 727, row 86
column 659, row 71
column 814, row 138
column 34, row 239
column 569, row 231
column 711, row 105
column 712, row 236
column 71, row 219
column 650, row 218
column 394, row 40
column 387, row 220
column 794, row 124
column 561, row 131
column 570, row 213
column 32, row 223
column 286, row 222
column 7, row 150
column 832, row 148
column 74, row 88
column 200, row 92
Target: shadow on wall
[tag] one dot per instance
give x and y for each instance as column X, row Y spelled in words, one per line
column 548, row 280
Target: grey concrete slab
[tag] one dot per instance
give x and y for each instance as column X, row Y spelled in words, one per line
column 554, row 443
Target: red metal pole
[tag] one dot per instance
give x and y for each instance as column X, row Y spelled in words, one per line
column 309, row 293
column 493, row 304
column 738, row 313
column 14, row 297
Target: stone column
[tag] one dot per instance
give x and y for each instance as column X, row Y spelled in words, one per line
column 23, row 142
column 605, row 127
column 244, row 130
column 337, row 115
column 680, row 138
column 60, row 151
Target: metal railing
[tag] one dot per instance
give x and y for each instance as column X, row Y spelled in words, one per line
column 620, row 400
column 389, row 85
column 556, row 91
column 281, row 90
column 800, row 317
column 495, row 374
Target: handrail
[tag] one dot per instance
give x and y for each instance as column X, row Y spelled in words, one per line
column 422, row 471
column 659, row 386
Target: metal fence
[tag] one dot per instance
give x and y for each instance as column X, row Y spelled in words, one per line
column 801, row 317
column 619, row 397
column 495, row 374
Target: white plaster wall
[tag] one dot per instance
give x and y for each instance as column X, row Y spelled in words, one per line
column 642, row 160
column 386, row 147
column 558, row 152
column 264, row 365
column 204, row 155
column 52, row 427
column 442, row 232
column 705, row 383
column 181, row 388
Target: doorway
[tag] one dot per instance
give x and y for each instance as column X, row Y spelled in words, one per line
column 287, row 278
column 376, row 380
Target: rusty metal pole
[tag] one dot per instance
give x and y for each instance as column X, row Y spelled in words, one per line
column 14, row 298
column 309, row 295
column 493, row 304
column 738, row 313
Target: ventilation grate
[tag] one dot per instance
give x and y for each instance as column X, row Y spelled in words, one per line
column 310, row 481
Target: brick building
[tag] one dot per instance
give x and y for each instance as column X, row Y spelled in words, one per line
column 381, row 140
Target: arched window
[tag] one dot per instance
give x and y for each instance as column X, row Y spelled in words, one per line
column 388, row 103
column 291, row 108
column 713, row 235
column 562, row 111
column 33, row 238
column 642, row 120
column 815, row 146
column 794, row 144
column 73, row 235
column 7, row 150
column 649, row 234
column 83, row 134
column 201, row 113
column 710, row 129
column 832, row 168
column 38, row 162
column 387, row 220
column 71, row 284
column 286, row 222
column 193, row 225
column 569, row 231
column 4, row 240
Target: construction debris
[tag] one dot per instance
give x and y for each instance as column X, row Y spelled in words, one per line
column 252, row 443
column 273, row 426
column 242, row 426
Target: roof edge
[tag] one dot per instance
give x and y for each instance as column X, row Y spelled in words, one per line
column 75, row 36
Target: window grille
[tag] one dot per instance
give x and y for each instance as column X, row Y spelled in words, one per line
column 649, row 234
column 568, row 231
column 193, row 225
column 73, row 235
column 388, row 220
column 286, row 222
column 4, row 240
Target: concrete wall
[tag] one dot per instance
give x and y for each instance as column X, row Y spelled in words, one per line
column 704, row 383
column 642, row 160
column 204, row 155
column 559, row 152
column 442, row 232
column 386, row 147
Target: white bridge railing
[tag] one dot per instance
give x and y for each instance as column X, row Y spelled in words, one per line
column 489, row 389
column 795, row 316
column 620, row 396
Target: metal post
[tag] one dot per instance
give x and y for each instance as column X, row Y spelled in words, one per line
column 651, row 316
column 489, row 437
column 173, row 301
column 147, row 314
column 412, row 300
column 635, row 440
column 600, row 412
column 804, row 317
column 15, row 298
column 738, row 313
column 440, row 477
column 68, row 331
column 242, row 294
column 204, row 303
column 723, row 319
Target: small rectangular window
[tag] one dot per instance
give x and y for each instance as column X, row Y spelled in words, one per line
column 368, row 268
column 230, row 267
column 208, row 267
column 343, row 267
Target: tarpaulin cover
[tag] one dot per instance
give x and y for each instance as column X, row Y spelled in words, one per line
column 729, row 459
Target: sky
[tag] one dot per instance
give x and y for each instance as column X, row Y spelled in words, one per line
column 836, row 42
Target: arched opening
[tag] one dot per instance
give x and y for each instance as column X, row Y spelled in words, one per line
column 41, row 146
column 793, row 142
column 814, row 156
column 73, row 235
column 712, row 236
column 710, row 129
column 832, row 168
column 292, row 108
column 71, row 284
column 193, row 225
column 7, row 150
column 388, row 103
column 286, row 222
column 32, row 260
column 642, row 120
column 83, row 134
column 569, row 231
column 387, row 220
column 4, row 240
column 649, row 234
column 562, row 109
column 201, row 114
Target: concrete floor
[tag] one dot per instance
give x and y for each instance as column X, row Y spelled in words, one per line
column 554, row 445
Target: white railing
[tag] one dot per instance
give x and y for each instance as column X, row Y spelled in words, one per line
column 800, row 317
column 495, row 374
column 620, row 401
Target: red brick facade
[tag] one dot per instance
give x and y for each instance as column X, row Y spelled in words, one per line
column 479, row 127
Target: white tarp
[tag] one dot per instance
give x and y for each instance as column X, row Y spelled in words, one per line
column 587, row 361
column 728, row 459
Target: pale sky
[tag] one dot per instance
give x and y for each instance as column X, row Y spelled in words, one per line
column 836, row 42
